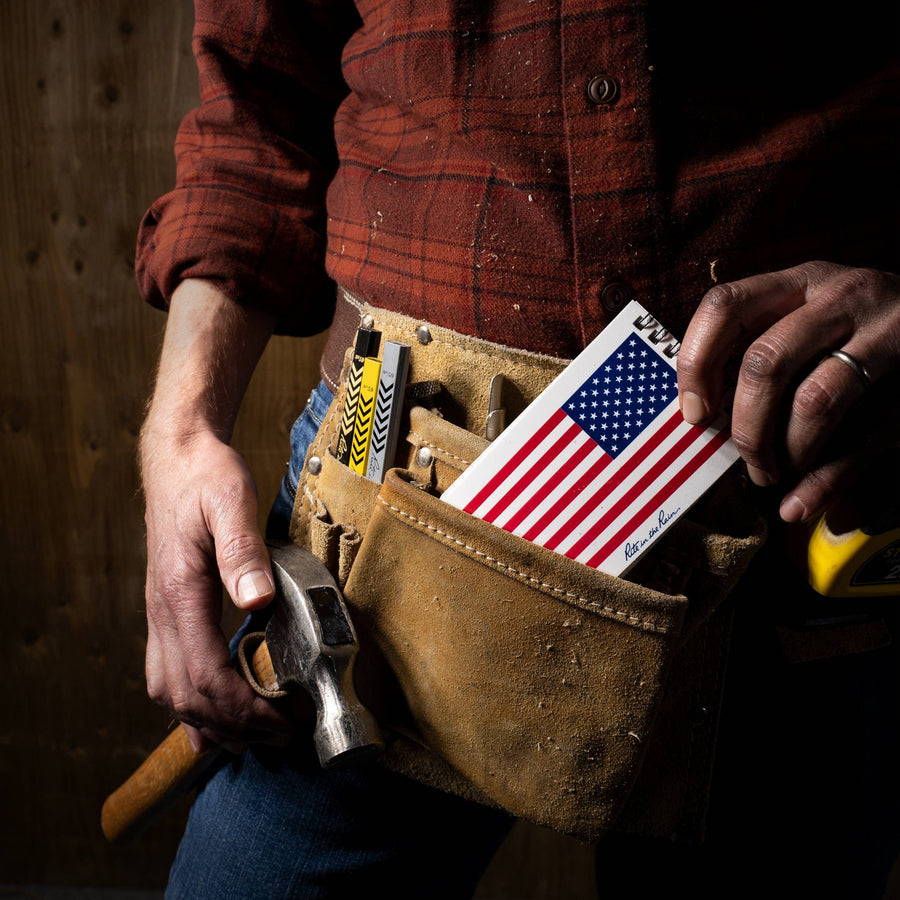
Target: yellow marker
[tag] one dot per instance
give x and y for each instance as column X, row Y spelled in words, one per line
column 365, row 410
column 367, row 341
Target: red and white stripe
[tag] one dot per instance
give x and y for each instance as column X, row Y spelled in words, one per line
column 562, row 491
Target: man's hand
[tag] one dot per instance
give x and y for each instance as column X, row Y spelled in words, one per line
column 201, row 520
column 800, row 418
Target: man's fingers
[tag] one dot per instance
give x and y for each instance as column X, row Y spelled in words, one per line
column 154, row 666
column 818, row 487
column 810, row 495
column 728, row 318
column 821, row 402
column 786, row 361
column 189, row 667
column 792, row 399
column 204, row 687
column 198, row 742
column 869, row 428
column 219, row 705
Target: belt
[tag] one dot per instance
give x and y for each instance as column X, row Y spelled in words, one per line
column 466, row 366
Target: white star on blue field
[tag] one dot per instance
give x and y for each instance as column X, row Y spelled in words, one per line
column 626, row 393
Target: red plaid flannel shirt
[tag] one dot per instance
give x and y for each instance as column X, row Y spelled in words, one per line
column 518, row 170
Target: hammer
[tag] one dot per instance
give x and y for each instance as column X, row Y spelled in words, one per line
column 309, row 641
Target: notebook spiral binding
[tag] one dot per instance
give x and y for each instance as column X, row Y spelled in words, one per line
column 659, row 336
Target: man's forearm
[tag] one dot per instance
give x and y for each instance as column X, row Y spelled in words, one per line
column 211, row 347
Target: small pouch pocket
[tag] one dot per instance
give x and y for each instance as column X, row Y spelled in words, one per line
column 507, row 672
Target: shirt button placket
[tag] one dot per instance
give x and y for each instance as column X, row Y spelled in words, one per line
column 605, row 153
column 604, row 90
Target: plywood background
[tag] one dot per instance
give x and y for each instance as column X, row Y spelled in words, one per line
column 92, row 92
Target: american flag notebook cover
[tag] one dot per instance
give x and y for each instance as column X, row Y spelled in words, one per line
column 602, row 463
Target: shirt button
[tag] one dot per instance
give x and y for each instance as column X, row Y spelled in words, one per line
column 603, row 90
column 614, row 296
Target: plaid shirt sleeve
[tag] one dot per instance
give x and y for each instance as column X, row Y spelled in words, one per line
column 254, row 162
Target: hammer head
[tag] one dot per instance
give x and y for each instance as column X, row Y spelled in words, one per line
column 312, row 643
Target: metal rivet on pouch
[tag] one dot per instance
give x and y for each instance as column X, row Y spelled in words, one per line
column 424, row 457
column 314, row 465
column 367, row 321
column 423, row 334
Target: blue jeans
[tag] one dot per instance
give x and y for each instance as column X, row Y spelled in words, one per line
column 273, row 824
column 303, row 432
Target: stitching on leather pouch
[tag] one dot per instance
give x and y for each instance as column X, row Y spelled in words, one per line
column 440, row 450
column 620, row 614
column 334, row 385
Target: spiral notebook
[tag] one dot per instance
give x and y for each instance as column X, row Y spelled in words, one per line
column 602, row 463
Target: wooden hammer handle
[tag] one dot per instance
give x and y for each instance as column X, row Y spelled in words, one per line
column 167, row 775
column 170, row 772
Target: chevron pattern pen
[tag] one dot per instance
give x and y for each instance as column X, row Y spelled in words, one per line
column 367, row 343
column 385, row 424
column 365, row 410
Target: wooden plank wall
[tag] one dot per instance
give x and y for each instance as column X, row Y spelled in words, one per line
column 92, row 91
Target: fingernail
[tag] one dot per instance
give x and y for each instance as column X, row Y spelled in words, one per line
column 760, row 477
column 197, row 741
column 693, row 408
column 792, row 509
column 252, row 586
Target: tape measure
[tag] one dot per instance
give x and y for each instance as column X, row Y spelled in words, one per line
column 853, row 550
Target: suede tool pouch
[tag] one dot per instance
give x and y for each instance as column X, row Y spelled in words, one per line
column 505, row 672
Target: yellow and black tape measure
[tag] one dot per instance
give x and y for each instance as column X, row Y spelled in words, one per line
column 855, row 563
column 854, row 550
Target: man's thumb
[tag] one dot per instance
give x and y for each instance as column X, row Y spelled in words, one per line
column 241, row 555
column 245, row 569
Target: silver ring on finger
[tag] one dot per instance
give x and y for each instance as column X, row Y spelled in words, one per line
column 861, row 371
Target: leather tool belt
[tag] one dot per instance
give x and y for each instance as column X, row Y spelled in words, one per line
column 504, row 672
